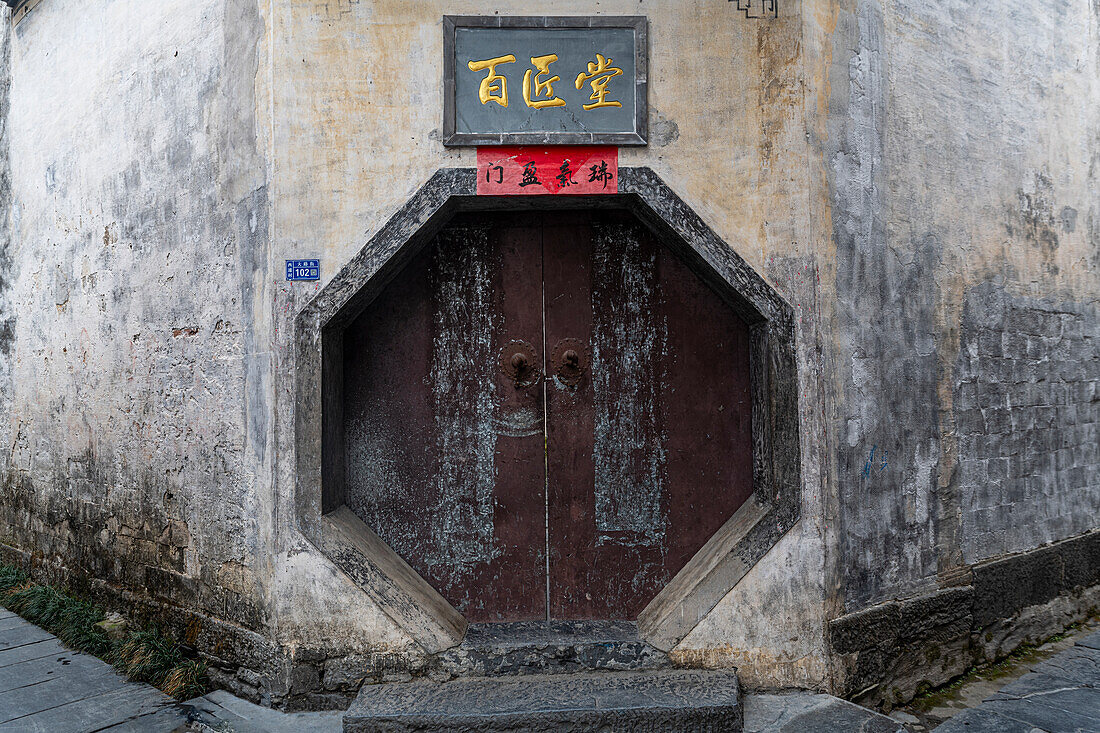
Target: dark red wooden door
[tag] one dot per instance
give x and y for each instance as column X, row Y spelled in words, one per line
column 445, row 456
column 576, row 486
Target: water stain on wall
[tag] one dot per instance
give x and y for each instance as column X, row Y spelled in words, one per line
column 1034, row 219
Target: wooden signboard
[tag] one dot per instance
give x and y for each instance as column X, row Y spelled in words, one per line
column 544, row 80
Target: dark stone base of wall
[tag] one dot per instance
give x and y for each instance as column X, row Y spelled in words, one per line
column 887, row 654
column 240, row 660
column 249, row 664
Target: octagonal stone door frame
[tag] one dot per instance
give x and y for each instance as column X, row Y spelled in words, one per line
column 403, row 595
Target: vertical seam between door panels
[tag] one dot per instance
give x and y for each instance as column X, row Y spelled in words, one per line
column 545, row 417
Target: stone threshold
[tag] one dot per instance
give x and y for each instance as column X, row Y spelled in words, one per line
column 552, row 647
column 694, row 700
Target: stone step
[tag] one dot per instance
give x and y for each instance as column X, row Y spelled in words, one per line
column 657, row 700
column 553, row 647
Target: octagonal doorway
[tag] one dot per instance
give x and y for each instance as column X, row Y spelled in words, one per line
column 547, row 414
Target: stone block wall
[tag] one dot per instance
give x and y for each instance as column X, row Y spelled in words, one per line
column 1027, row 413
column 890, row 652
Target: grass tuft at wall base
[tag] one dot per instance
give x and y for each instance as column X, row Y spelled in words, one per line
column 144, row 655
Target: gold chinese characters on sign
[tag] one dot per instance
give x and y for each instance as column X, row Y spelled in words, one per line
column 538, row 92
column 598, row 75
column 542, row 63
column 493, row 87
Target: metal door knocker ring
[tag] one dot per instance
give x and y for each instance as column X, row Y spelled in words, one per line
column 570, row 361
column 518, row 363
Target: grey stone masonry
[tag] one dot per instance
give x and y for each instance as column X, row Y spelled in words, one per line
column 1027, row 414
column 557, row 647
column 890, row 651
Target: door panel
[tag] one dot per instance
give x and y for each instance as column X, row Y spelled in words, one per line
column 605, row 468
column 566, row 280
column 520, row 465
column 706, row 407
column 650, row 453
column 444, row 452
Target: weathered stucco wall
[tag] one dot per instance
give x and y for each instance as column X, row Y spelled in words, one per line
column 958, row 137
column 134, row 360
column 137, row 376
column 962, row 148
column 918, row 180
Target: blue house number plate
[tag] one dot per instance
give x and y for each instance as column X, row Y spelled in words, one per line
column 303, row 269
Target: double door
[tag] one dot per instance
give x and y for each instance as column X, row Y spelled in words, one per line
column 546, row 415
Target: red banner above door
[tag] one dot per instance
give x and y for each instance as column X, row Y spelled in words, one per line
column 535, row 170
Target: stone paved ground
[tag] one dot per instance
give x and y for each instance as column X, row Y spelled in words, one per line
column 46, row 688
column 808, row 712
column 1060, row 695
column 222, row 712
column 935, row 708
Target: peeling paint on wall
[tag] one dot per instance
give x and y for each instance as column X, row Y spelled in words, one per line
column 629, row 347
column 463, row 366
